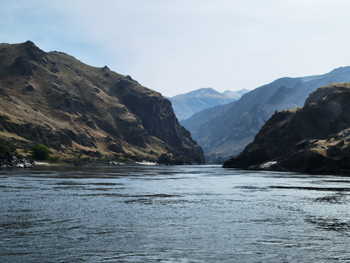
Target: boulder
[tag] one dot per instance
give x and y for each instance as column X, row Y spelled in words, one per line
column 12, row 160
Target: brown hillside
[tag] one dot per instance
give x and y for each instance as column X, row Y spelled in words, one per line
column 75, row 109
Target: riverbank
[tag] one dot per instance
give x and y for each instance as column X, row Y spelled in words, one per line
column 13, row 160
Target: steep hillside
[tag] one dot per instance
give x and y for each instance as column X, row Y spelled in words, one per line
column 228, row 133
column 185, row 105
column 78, row 110
column 232, row 130
column 196, row 120
column 314, row 138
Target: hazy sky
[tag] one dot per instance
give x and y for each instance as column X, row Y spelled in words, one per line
column 178, row 46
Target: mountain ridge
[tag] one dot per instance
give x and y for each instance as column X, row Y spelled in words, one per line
column 186, row 105
column 235, row 94
column 228, row 133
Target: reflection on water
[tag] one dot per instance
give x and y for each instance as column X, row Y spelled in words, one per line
column 172, row 214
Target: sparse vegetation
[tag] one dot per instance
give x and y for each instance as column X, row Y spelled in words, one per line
column 55, row 158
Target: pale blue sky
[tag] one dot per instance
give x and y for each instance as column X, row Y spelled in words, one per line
column 177, row 46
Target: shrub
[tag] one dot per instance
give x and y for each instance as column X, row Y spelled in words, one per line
column 164, row 159
column 40, row 152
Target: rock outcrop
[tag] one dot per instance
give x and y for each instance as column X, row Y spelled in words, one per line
column 313, row 138
column 12, row 160
column 77, row 110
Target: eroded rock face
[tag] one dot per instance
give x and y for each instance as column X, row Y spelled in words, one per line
column 314, row 138
column 117, row 148
column 156, row 115
column 158, row 119
column 23, row 66
column 34, row 53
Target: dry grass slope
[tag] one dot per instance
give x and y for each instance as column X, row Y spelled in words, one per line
column 82, row 111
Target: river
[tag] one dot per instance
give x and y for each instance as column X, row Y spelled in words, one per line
column 172, row 214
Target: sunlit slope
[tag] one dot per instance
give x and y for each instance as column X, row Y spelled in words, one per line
column 75, row 109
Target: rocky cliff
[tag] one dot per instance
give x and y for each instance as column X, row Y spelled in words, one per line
column 313, row 138
column 77, row 110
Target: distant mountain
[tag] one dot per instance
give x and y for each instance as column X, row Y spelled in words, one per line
column 81, row 111
column 235, row 94
column 314, row 138
column 185, row 105
column 228, row 133
column 196, row 120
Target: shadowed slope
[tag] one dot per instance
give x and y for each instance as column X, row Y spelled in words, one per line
column 314, row 138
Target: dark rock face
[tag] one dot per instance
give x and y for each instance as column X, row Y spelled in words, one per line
column 54, row 69
column 23, row 66
column 91, row 124
column 92, row 153
column 29, row 88
column 156, row 116
column 158, row 119
column 35, row 53
column 81, row 139
column 72, row 104
column 116, row 148
column 314, row 138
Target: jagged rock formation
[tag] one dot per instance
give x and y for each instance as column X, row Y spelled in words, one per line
column 228, row 133
column 77, row 110
column 314, row 138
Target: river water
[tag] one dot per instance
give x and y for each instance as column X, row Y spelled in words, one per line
column 172, row 214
